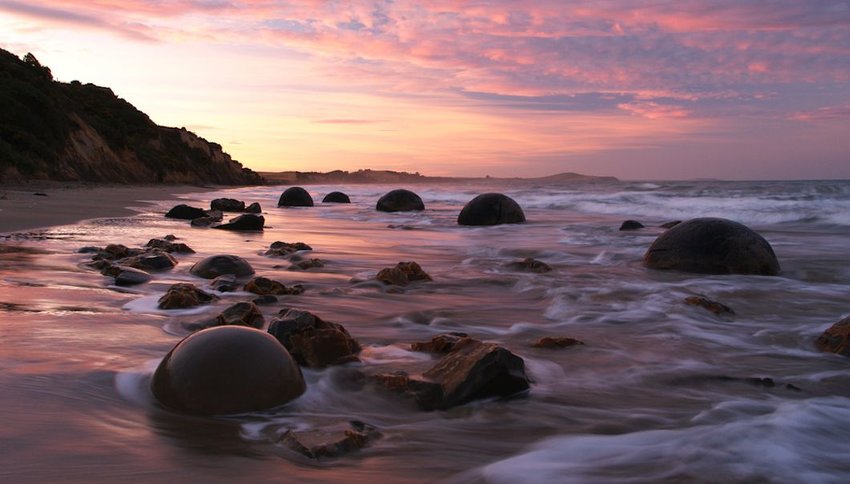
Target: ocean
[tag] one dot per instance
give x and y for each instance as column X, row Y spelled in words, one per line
column 660, row 391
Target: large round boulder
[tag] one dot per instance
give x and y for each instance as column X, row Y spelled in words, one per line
column 491, row 209
column 336, row 197
column 225, row 370
column 295, row 197
column 400, row 200
column 218, row 265
column 712, row 246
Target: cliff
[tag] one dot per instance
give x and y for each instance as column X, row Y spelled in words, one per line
column 51, row 130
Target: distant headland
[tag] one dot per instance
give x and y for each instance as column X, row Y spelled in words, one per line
column 387, row 176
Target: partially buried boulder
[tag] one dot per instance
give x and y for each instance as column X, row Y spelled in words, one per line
column 185, row 212
column 128, row 276
column 631, row 225
column 313, row 341
column 712, row 246
column 402, row 274
column 491, row 209
column 336, row 197
column 335, row 441
column 836, row 339
column 227, row 205
column 283, row 249
column 241, row 314
column 295, row 197
column 245, row 222
column 400, row 200
column 218, row 265
column 263, row 286
column 442, row 343
column 184, row 295
column 712, row 306
column 169, row 246
column 155, row 260
column 226, row 370
column 555, row 342
column 529, row 265
column 307, row 264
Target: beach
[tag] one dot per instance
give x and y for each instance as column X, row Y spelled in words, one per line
column 659, row 390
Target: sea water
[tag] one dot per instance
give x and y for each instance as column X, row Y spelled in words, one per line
column 660, row 391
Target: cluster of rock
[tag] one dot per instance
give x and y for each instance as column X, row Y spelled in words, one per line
column 132, row 266
column 248, row 221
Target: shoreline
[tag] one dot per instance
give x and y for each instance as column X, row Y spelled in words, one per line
column 41, row 205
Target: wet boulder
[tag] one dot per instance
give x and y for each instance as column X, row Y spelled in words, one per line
column 184, row 295
column 129, row 276
column 631, row 225
column 442, row 343
column 263, row 286
column 529, row 265
column 312, row 341
column 491, row 209
column 335, row 441
column 400, row 200
column 202, row 222
column 403, row 274
column 155, row 260
column 185, row 212
column 295, row 197
column 254, row 208
column 283, row 249
column 169, row 246
column 218, row 265
column 245, row 222
column 227, row 205
column 307, row 264
column 226, row 370
column 241, row 314
column 225, row 283
column 836, row 339
column 336, row 197
column 712, row 246
column 556, row 342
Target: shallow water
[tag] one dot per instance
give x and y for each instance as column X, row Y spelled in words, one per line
column 657, row 393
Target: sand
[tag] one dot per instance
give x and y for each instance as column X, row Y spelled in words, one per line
column 21, row 208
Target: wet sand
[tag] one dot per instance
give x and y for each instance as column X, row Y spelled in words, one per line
column 39, row 205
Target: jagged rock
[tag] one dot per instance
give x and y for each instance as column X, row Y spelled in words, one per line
column 491, row 209
column 529, row 265
column 553, row 342
column 400, row 200
column 254, row 208
column 184, row 295
column 283, row 249
column 225, row 370
column 218, row 265
column 402, row 274
column 227, row 205
column 330, row 442
column 442, row 343
column 128, row 276
column 246, row 222
column 713, row 306
column 631, row 225
column 313, row 341
column 264, row 286
column 307, row 264
column 712, row 246
column 295, row 197
column 185, row 212
column 242, row 314
column 670, row 225
column 836, row 339
column 155, row 260
column 336, row 197
column 169, row 246
column 225, row 283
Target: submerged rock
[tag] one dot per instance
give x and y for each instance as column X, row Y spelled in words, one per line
column 330, row 442
column 631, row 225
column 442, row 343
column 400, row 200
column 336, row 197
column 128, row 276
column 671, row 224
column 836, row 339
column 712, row 246
column 155, row 260
column 553, row 342
column 185, row 212
column 225, row 283
column 713, row 306
column 529, row 265
column 263, row 286
column 295, row 197
column 313, row 341
column 225, row 370
column 202, row 221
column 283, row 249
column 227, row 205
column 491, row 209
column 218, row 265
column 169, row 246
column 184, row 295
column 307, row 264
column 241, row 314
column 245, row 222
column 402, row 274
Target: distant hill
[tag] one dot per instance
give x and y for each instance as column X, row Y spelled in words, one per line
column 51, row 130
column 387, row 176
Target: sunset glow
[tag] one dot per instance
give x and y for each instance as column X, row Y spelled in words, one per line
column 640, row 90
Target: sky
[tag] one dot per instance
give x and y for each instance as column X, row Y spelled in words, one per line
column 653, row 89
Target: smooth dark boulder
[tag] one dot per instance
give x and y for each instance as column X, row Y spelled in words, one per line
column 836, row 339
column 402, row 274
column 218, row 265
column 226, row 370
column 129, row 276
column 184, row 295
column 400, row 200
column 336, row 197
column 491, row 209
column 295, row 197
column 185, row 212
column 245, row 222
column 254, row 208
column 241, row 314
column 155, row 260
column 227, row 205
column 529, row 265
column 712, row 246
column 263, row 286
column 631, row 225
column 313, row 341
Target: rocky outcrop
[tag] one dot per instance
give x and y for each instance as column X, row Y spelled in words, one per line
column 313, row 341
column 491, row 209
column 400, row 200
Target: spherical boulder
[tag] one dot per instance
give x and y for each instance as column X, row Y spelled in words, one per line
column 336, row 197
column 400, row 200
column 712, row 246
column 295, row 197
column 491, row 209
column 218, row 265
column 226, row 370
